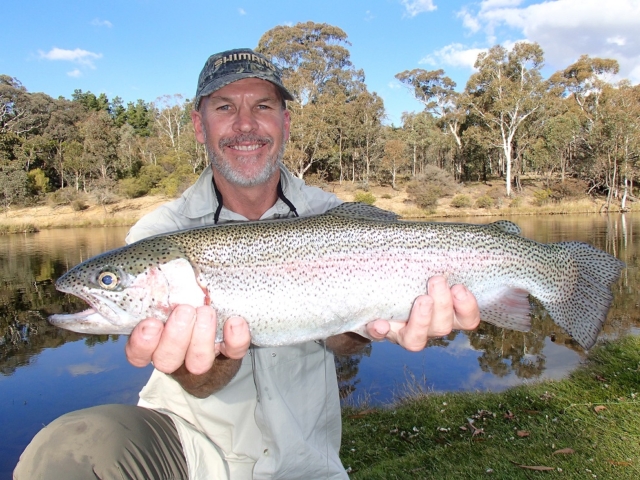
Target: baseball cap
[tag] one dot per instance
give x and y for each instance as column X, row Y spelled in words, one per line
column 232, row 65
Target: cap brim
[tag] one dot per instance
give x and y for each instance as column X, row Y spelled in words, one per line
column 217, row 84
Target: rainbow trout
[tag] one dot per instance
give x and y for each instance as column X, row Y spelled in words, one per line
column 308, row 278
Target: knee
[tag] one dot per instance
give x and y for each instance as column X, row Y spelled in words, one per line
column 80, row 444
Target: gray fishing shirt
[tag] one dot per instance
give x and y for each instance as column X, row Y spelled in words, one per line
column 279, row 417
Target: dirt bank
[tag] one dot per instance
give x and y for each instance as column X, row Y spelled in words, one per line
column 128, row 211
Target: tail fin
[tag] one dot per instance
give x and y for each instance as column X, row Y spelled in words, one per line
column 583, row 315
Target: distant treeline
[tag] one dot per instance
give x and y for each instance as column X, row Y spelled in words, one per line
column 508, row 121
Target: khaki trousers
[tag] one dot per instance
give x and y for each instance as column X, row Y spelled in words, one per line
column 105, row 442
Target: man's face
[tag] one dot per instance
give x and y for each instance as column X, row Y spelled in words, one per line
column 244, row 129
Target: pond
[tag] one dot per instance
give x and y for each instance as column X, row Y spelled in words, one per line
column 45, row 371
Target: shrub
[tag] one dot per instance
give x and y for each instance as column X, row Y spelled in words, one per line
column 461, row 201
column 541, row 197
column 364, row 197
column 427, row 188
column 79, row 205
column 515, row 202
column 38, row 182
column 386, row 196
column 434, row 178
column 63, row 196
column 570, row 188
column 428, row 199
column 496, row 192
column 134, row 187
column 484, row 201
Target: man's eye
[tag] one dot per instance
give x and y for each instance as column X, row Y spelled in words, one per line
column 224, row 107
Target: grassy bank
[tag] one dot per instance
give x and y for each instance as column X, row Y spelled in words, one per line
column 587, row 426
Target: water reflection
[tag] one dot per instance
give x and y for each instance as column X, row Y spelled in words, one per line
column 46, row 371
column 491, row 358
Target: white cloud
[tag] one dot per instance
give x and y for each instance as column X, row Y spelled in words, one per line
column 415, row 7
column 455, row 55
column 79, row 56
column 617, row 40
column 242, row 11
column 394, row 85
column 565, row 29
column 86, row 369
column 368, row 16
column 74, row 73
column 469, row 21
column 96, row 22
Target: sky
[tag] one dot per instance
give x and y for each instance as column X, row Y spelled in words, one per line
column 143, row 49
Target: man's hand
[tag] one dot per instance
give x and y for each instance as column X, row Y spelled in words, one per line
column 435, row 314
column 187, row 338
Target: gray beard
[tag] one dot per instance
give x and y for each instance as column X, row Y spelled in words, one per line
column 234, row 177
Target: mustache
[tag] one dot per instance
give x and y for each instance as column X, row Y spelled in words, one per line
column 244, row 138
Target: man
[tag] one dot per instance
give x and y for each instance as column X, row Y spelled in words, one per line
column 231, row 410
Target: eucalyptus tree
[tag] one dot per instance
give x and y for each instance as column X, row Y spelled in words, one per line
column 588, row 83
column 439, row 97
column 585, row 81
column 618, row 139
column 505, row 91
column 171, row 119
column 396, row 155
column 63, row 127
column 366, row 113
column 419, row 132
column 100, row 141
column 317, row 70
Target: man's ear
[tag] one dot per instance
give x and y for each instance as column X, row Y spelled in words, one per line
column 198, row 125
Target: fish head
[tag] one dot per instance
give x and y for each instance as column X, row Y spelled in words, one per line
column 125, row 286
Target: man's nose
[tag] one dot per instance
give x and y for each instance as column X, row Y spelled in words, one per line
column 245, row 120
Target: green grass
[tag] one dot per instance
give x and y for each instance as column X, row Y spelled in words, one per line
column 595, row 413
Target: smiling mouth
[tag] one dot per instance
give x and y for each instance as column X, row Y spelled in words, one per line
column 245, row 142
column 246, row 148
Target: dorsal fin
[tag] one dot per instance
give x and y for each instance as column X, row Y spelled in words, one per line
column 363, row 211
column 506, row 226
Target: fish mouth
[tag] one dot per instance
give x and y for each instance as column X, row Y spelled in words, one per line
column 88, row 321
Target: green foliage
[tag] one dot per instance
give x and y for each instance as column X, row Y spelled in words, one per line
column 133, row 187
column 386, row 196
column 39, row 183
column 461, row 201
column 541, row 197
column 485, row 201
column 14, row 186
column 149, row 177
column 364, row 197
column 576, row 123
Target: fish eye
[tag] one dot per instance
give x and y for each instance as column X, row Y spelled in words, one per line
column 108, row 280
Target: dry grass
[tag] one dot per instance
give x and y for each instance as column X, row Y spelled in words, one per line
column 127, row 212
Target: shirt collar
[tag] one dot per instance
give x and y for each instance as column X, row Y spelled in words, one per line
column 200, row 199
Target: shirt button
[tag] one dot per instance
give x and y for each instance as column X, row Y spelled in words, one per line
column 266, row 452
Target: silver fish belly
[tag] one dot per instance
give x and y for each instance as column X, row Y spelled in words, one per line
column 309, row 278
